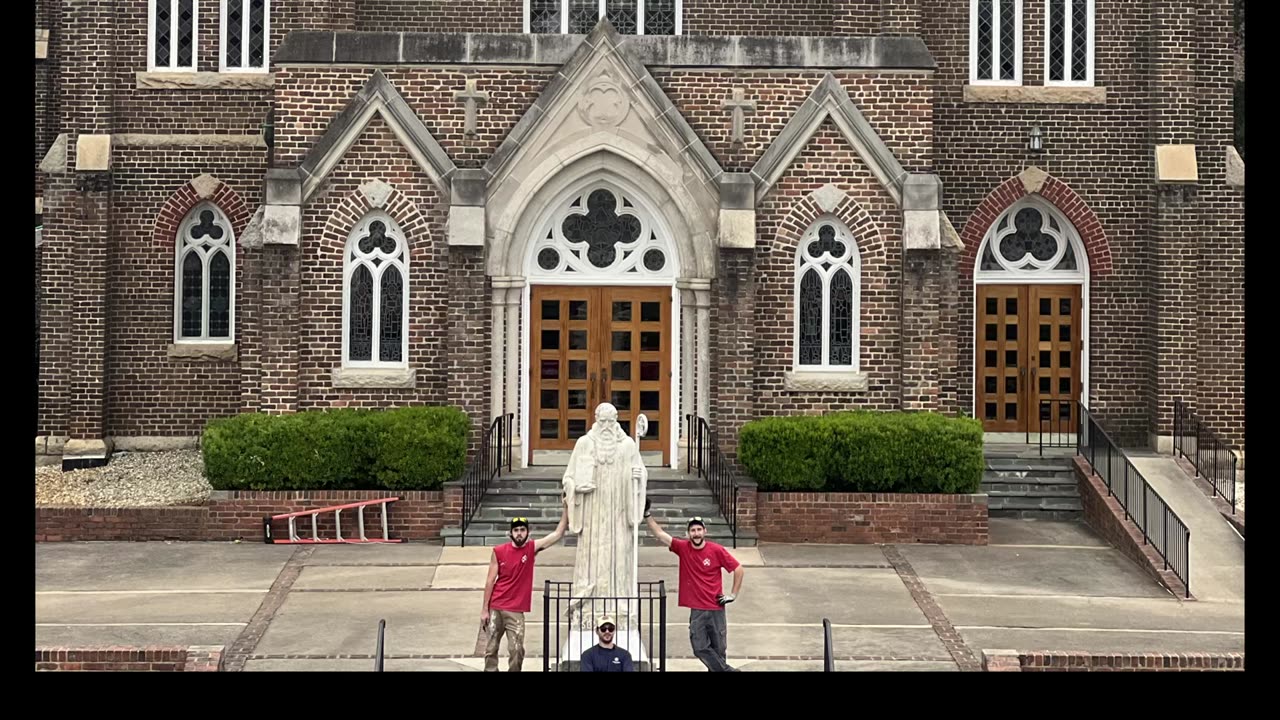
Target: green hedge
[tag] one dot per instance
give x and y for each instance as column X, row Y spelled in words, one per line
column 864, row 452
column 415, row 448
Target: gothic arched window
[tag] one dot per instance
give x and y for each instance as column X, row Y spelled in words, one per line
column 375, row 291
column 827, row 295
column 206, row 277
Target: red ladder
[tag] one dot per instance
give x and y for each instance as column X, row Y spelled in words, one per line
column 337, row 520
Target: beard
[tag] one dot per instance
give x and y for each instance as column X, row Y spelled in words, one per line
column 520, row 543
column 607, row 434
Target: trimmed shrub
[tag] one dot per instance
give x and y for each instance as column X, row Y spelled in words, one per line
column 414, row 448
column 864, row 452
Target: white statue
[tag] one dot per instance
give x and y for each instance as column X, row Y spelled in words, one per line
column 604, row 487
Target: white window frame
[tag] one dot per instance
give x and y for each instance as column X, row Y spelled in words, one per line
column 995, row 41
column 349, row 267
column 244, row 34
column 851, row 265
column 564, row 16
column 1066, row 57
column 182, row 249
column 173, row 37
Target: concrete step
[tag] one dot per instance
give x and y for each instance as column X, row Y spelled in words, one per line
column 1035, row 503
column 551, row 513
column 1035, row 514
column 553, row 485
column 556, row 472
column 1036, row 492
column 477, row 537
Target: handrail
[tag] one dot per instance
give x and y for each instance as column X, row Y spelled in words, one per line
column 377, row 656
column 828, row 647
column 1208, row 454
column 712, row 464
column 494, row 454
column 1142, row 505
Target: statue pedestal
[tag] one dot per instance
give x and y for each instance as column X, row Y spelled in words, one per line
column 580, row 641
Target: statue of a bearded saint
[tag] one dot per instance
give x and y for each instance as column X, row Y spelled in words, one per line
column 604, row 486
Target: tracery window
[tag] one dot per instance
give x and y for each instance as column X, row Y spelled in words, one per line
column 827, row 298
column 375, row 295
column 205, row 288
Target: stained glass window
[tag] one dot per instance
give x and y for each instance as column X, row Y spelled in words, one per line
column 377, row 295
column 206, row 276
column 827, row 280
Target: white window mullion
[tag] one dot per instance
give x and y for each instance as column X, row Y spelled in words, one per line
column 996, row 39
column 1068, row 25
column 374, row 354
column 244, row 33
column 973, row 40
column 639, row 17
column 679, row 17
column 1093, row 44
column 564, row 17
column 602, row 10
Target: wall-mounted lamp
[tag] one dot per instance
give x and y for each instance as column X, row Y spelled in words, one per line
column 1036, row 141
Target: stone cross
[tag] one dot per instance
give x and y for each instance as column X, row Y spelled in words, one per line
column 738, row 105
column 471, row 97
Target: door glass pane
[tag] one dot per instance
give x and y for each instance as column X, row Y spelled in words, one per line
column 1046, row 332
column 1011, row 358
column 1064, row 306
column 649, row 371
column 622, row 341
column 621, row 399
column 622, row 312
column 577, row 339
column 651, row 341
column 1011, row 411
column 550, row 369
column 550, row 399
column 990, row 384
column 651, row 312
column 1011, row 306
column 577, row 369
column 1064, row 359
column 1010, row 332
column 577, row 428
column 577, row 309
column 993, row 306
column 550, row 339
column 1064, row 386
column 1044, row 384
column 991, row 331
column 621, row 370
column 1064, row 333
column 649, row 401
column 1011, row 384
column 990, row 411
column 992, row 358
column 655, row 430
column 549, row 429
column 1046, row 307
column 550, row 309
column 577, row 399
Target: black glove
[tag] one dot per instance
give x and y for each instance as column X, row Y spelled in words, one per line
column 646, row 507
column 723, row 600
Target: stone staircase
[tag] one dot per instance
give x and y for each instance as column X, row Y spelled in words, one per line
column 535, row 493
column 1019, row 483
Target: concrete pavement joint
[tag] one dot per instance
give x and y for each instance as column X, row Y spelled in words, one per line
column 249, row 638
column 456, row 656
column 951, row 640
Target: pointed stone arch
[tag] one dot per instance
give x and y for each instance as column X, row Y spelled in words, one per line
column 602, row 114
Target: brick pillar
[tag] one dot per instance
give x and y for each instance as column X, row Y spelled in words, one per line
column 900, row 17
column 733, row 346
column 747, row 504
column 84, row 234
column 249, row 317
column 469, row 339
column 921, row 329
column 1177, row 222
column 278, row 328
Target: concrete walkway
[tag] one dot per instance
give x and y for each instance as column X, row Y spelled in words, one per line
column 1040, row 585
column 1217, row 550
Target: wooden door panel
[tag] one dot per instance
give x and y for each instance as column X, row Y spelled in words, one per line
column 1002, row 351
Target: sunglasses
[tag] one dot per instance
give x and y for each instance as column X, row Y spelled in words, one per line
column 520, row 519
column 606, row 628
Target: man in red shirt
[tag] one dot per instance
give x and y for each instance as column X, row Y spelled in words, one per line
column 508, row 591
column 701, row 589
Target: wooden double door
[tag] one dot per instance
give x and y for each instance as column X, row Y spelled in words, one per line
column 1029, row 351
column 591, row 345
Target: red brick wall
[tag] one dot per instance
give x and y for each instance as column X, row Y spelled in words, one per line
column 130, row 659
column 1103, row 152
column 1079, row 661
column 1106, row 516
column 781, row 17
column 477, row 16
column 866, row 518
column 232, row 515
column 781, row 220
column 150, row 393
column 416, row 208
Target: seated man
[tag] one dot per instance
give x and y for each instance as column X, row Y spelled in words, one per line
column 605, row 656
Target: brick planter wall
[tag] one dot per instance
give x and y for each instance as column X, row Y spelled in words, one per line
column 1106, row 516
column 230, row 515
column 865, row 518
column 154, row 658
column 1076, row 661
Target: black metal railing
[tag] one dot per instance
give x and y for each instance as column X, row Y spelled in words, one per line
column 1208, row 454
column 709, row 460
column 828, row 647
column 377, row 653
column 1058, row 429
column 569, row 623
column 494, row 455
column 1161, row 527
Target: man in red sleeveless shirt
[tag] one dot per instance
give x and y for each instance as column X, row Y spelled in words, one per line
column 508, row 591
column 702, row 589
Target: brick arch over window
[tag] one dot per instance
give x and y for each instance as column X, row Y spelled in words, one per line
column 202, row 189
column 375, row 195
column 805, row 213
column 1056, row 192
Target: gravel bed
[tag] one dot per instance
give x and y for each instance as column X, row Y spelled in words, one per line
column 130, row 479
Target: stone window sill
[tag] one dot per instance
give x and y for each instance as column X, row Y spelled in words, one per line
column 354, row 378
column 1035, row 94
column 204, row 352
column 204, row 81
column 810, row 381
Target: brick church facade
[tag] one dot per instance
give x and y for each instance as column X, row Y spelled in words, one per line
column 725, row 209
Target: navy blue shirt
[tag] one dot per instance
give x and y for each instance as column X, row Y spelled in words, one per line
column 614, row 659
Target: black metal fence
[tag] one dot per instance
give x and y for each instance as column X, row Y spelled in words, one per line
column 1208, row 454
column 569, row 623
column 1058, row 429
column 828, row 647
column 1161, row 527
column 709, row 460
column 494, row 455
